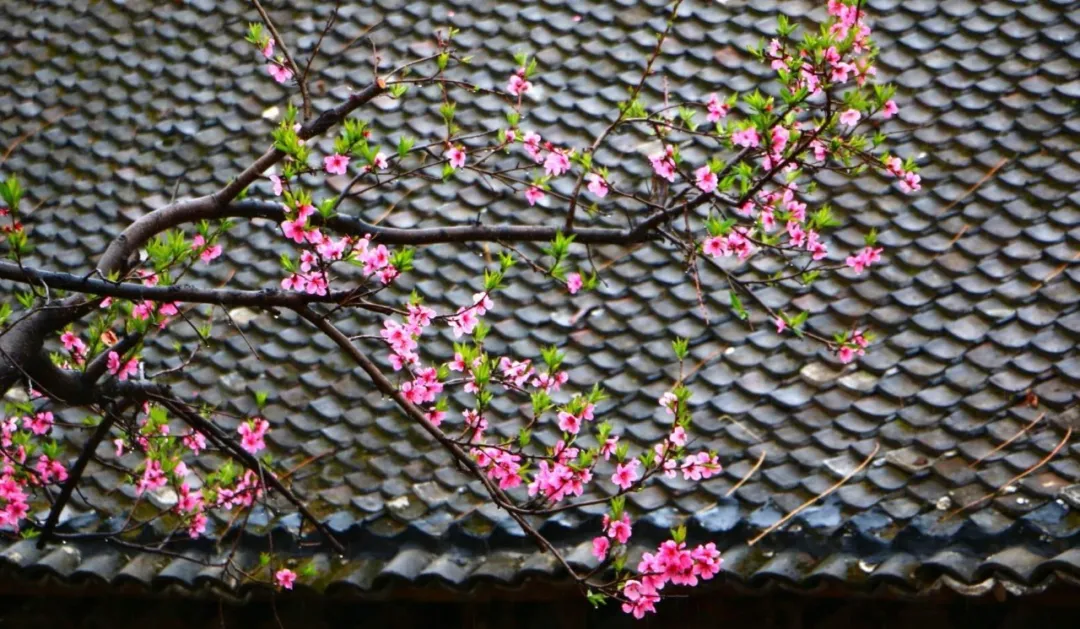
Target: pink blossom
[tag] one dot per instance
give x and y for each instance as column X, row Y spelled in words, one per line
column 189, row 501
column 517, row 84
column 664, row 163
column 482, row 302
column 336, row 164
column 533, row 195
column 316, row 284
column 569, row 423
column 619, row 530
column 456, row 157
column 707, row 561
column 268, row 49
column 303, row 212
column 209, row 253
column 705, row 179
column 846, row 354
column 626, row 474
column 850, row 117
column 556, row 163
column 781, row 325
column 715, row 247
column 435, row 417
column 717, row 110
column 195, row 441
column 641, row 599
column 597, row 185
column 279, row 72
column 40, row 423
column 700, row 465
column 678, row 436
column 780, row 136
column 910, row 182
column 747, row 138
column 285, row 578
column 73, row 343
column 277, row 184
column 531, row 142
column 295, row 282
column 864, row 259
column 464, row 322
column 376, row 259
column 122, row 372
column 890, row 109
column 252, row 433
column 152, row 478
column 609, row 447
column 818, row 250
column 294, row 230
column 573, row 283
column 379, row 162
column 600, row 547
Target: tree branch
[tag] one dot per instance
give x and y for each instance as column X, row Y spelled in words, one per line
column 216, row 435
column 301, row 78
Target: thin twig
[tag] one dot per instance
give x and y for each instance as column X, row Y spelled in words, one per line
column 1017, row 478
column 784, row 520
column 761, row 459
column 1008, row 441
column 300, row 78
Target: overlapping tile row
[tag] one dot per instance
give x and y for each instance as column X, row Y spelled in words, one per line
column 976, row 308
column 507, row 572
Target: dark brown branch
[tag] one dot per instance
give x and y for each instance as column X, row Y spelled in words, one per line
column 266, row 298
column 75, row 474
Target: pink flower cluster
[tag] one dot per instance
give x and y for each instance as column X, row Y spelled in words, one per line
column 15, row 505
column 716, row 109
column 252, row 433
column 466, row 318
column 558, row 479
column 75, row 345
column 853, row 347
column 49, row 469
column 863, row 259
column 737, row 243
column 663, row 163
column 207, row 253
column 244, row 494
column 571, row 423
column 909, row 181
column 122, row 371
column 40, row 423
column 424, row 388
column 500, row 465
column 671, row 563
column 518, row 85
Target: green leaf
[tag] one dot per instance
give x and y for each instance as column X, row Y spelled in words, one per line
column 737, row 306
column 681, row 347
column 11, row 192
column 404, row 144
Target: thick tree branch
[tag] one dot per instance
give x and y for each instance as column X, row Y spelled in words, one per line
column 24, row 340
column 266, row 298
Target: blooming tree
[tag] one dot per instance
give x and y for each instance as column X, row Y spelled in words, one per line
column 73, row 340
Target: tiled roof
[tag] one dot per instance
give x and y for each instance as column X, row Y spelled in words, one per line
column 978, row 305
